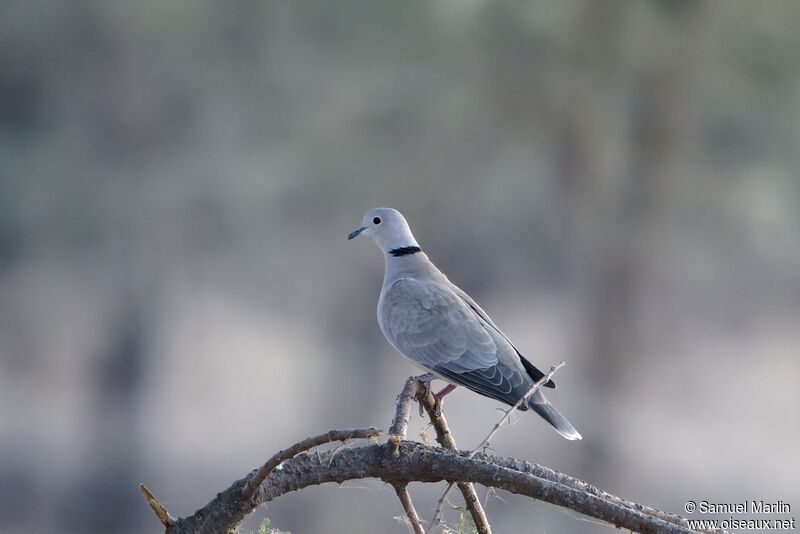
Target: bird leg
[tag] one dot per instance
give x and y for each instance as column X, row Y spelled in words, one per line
column 440, row 397
column 444, row 391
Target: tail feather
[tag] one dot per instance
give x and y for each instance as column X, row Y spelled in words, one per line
column 549, row 413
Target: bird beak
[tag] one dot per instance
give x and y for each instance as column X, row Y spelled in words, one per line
column 357, row 232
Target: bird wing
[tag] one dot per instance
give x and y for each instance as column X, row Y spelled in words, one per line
column 436, row 328
column 533, row 371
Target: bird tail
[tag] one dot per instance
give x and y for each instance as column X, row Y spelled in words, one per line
column 549, row 413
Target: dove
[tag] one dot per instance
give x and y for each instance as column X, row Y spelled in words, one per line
column 442, row 330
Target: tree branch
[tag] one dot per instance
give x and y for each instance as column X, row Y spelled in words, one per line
column 308, row 443
column 399, row 462
column 158, row 508
column 485, row 443
column 421, row 463
column 445, row 438
column 411, row 513
column 399, row 426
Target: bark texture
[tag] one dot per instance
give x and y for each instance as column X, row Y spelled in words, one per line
column 415, row 462
column 399, row 462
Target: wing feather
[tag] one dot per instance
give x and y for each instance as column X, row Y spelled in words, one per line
column 534, row 373
column 436, row 328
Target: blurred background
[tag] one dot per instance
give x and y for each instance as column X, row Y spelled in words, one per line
column 615, row 182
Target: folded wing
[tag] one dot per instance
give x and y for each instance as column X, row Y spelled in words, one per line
column 434, row 326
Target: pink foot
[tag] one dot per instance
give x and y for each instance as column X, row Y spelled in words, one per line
column 440, row 396
column 444, row 391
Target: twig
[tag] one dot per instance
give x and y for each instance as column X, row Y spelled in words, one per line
column 485, row 443
column 399, row 426
column 308, row 443
column 411, row 513
column 445, row 438
column 334, row 451
column 429, row 403
column 161, row 512
column 438, row 511
column 542, row 381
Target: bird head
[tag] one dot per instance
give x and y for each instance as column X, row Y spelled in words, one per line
column 387, row 227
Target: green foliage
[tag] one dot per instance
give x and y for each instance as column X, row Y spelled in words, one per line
column 465, row 523
column 264, row 529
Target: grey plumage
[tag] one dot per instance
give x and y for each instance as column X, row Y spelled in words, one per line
column 441, row 329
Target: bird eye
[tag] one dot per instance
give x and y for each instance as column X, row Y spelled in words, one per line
column 376, row 220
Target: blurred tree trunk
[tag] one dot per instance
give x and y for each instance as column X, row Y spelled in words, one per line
column 612, row 163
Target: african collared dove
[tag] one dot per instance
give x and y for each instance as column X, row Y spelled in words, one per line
column 442, row 330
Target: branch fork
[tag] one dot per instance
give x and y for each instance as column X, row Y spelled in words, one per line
column 399, row 462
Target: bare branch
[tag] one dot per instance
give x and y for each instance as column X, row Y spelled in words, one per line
column 445, row 438
column 435, row 519
column 399, row 426
column 161, row 512
column 417, row 462
column 308, row 443
column 411, row 513
column 431, row 406
column 485, row 443
column 399, row 462
column 417, row 387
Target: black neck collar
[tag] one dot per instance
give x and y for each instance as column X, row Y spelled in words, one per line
column 405, row 251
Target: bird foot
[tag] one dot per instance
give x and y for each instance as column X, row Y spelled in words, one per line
column 440, row 398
